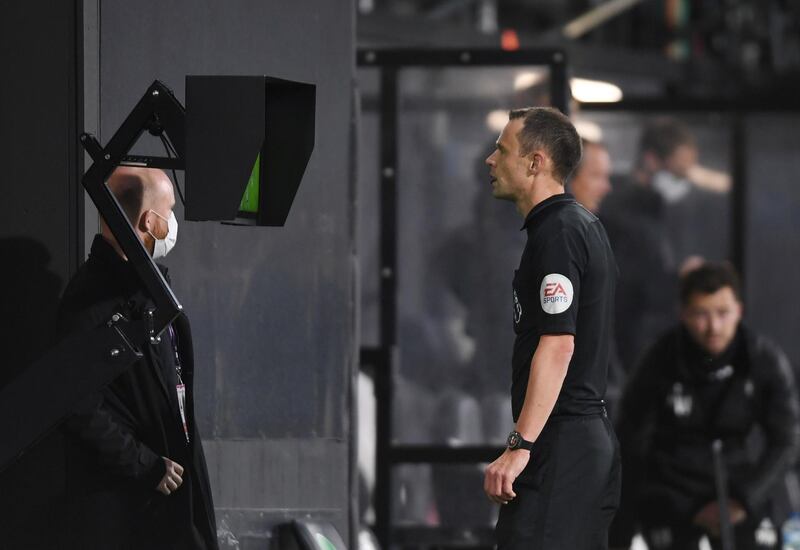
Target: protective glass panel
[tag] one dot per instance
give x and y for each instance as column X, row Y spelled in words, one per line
column 667, row 209
column 773, row 228
column 445, row 496
column 457, row 251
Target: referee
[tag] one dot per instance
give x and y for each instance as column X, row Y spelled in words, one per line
column 559, row 477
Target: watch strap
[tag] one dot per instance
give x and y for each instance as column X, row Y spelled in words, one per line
column 516, row 441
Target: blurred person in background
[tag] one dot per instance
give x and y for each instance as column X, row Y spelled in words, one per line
column 592, row 179
column 660, row 222
column 708, row 378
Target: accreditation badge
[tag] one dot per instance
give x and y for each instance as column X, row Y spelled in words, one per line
column 181, row 389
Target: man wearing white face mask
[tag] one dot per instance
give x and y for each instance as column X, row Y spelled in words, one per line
column 147, row 197
column 161, row 247
column 136, row 474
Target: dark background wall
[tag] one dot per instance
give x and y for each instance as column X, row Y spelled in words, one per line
column 38, row 229
column 773, row 228
column 273, row 310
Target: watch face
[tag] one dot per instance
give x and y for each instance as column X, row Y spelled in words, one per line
column 513, row 440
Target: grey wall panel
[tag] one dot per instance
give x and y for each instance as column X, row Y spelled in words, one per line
column 243, row 471
column 272, row 309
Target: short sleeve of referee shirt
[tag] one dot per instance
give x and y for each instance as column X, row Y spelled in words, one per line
column 559, row 261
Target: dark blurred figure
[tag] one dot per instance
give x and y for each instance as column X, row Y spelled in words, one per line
column 592, row 179
column 477, row 290
column 33, row 487
column 708, row 378
column 659, row 221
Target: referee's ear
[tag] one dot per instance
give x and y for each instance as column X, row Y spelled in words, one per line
column 536, row 163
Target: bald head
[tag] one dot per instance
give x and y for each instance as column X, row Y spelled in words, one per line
column 138, row 189
column 141, row 192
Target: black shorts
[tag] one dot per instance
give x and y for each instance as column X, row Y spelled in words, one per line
column 569, row 492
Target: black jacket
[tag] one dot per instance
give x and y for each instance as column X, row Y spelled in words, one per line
column 115, row 439
column 634, row 218
column 680, row 400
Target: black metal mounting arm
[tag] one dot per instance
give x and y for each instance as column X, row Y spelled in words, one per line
column 158, row 111
column 74, row 369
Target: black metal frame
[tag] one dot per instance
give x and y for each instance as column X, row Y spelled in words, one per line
column 158, row 111
column 107, row 351
column 383, row 357
column 75, row 368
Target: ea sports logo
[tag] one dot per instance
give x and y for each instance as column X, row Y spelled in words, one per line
column 555, row 293
column 554, row 289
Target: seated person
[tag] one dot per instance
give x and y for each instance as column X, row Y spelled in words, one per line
column 708, row 378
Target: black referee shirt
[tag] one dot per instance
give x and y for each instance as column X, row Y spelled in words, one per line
column 565, row 285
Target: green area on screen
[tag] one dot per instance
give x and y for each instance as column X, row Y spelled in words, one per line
column 250, row 198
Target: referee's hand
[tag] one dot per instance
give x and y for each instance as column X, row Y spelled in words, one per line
column 172, row 478
column 500, row 475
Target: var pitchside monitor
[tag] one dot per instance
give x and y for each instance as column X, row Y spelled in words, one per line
column 248, row 143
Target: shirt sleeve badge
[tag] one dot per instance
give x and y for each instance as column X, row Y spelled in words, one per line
column 556, row 293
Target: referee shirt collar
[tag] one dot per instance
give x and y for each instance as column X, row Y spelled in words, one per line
column 535, row 212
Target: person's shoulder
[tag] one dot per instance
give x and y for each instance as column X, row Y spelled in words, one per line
column 765, row 352
column 572, row 220
column 86, row 282
column 564, row 212
column 80, row 304
column 626, row 198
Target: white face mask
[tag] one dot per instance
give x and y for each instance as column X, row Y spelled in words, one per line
column 162, row 246
column 671, row 187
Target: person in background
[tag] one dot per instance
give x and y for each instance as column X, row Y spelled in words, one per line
column 659, row 223
column 708, row 378
column 591, row 181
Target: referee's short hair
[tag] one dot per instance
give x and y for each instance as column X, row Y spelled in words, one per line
column 708, row 279
column 549, row 129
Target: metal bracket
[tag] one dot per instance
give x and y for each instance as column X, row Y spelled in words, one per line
column 158, row 111
column 149, row 316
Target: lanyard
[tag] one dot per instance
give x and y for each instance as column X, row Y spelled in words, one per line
column 180, row 388
column 173, row 336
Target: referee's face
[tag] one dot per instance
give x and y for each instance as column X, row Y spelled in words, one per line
column 508, row 171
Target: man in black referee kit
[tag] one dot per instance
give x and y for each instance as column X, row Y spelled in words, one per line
column 559, row 477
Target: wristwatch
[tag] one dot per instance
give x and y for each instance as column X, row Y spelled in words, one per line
column 516, row 441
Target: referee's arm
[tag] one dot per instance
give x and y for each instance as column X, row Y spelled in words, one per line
column 548, row 370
